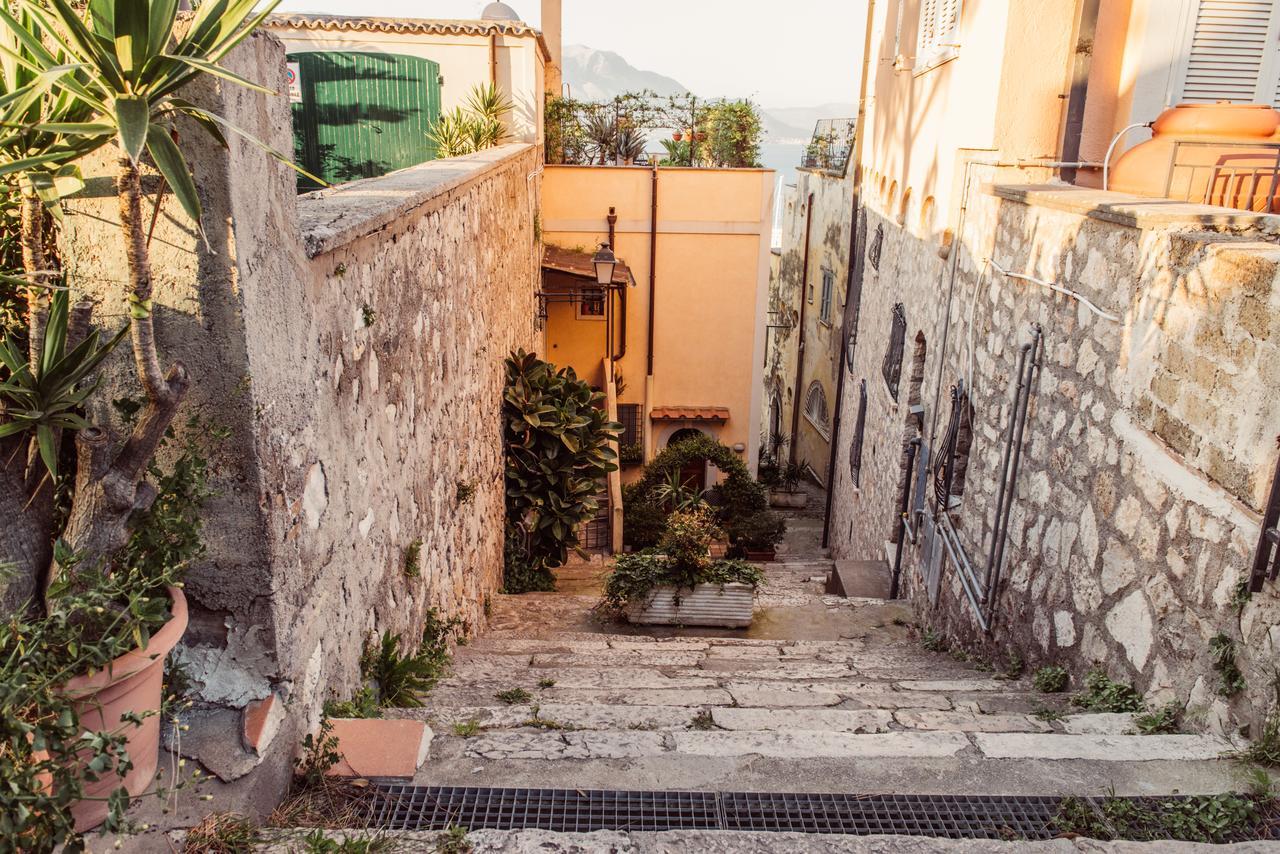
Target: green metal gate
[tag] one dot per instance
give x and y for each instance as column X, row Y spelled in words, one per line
column 360, row 115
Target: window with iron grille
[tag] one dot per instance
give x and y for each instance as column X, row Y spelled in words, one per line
column 859, row 430
column 952, row 460
column 828, row 285
column 815, row 409
column 629, row 415
column 877, row 243
column 591, row 303
column 893, row 358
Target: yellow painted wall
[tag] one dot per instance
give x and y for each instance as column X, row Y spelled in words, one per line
column 714, row 228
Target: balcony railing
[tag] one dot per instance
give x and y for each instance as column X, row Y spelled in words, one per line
column 1245, row 176
column 830, row 147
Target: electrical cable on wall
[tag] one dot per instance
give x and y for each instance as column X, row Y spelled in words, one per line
column 1053, row 286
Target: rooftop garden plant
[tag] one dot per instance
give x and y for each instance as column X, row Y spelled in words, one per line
column 558, row 441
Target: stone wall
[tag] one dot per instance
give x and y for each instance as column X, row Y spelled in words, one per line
column 352, row 340
column 1150, row 439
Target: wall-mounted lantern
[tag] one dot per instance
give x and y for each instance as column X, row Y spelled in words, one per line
column 605, row 262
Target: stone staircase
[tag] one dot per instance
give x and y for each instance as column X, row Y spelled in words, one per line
column 822, row 694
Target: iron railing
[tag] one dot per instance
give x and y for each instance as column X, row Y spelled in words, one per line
column 892, row 367
column 1246, row 177
column 1266, row 560
column 830, row 147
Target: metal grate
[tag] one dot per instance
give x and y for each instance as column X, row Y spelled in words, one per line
column 892, row 367
column 1011, row 817
column 630, row 415
column 562, row 810
column 910, row 815
column 859, row 434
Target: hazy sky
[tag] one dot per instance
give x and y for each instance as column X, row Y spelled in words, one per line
column 795, row 53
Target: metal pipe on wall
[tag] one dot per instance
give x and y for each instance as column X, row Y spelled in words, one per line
column 653, row 261
column 798, row 393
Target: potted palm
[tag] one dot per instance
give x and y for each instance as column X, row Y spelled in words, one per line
column 680, row 583
column 788, row 492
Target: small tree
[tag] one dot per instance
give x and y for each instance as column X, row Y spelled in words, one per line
column 733, row 135
column 108, row 76
column 557, row 437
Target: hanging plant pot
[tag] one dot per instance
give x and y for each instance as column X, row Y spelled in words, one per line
column 133, row 683
column 677, row 136
column 761, row 555
column 722, row 605
column 700, row 137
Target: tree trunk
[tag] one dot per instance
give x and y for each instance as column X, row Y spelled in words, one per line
column 110, row 486
column 26, row 493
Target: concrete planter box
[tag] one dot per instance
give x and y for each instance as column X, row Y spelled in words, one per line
column 728, row 606
column 790, row 500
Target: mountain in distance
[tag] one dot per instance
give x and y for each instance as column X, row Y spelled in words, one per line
column 598, row 75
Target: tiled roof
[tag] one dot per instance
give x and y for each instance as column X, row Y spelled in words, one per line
column 690, row 413
column 579, row 263
column 426, row 26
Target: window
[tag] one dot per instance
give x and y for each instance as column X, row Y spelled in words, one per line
column 953, row 455
column 815, row 409
column 828, row 285
column 859, row 430
column 629, row 415
column 893, row 358
column 938, row 34
column 1230, row 53
column 591, row 304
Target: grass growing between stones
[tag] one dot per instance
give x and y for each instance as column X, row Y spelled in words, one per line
column 1214, row 819
column 702, row 721
column 467, row 729
column 316, row 842
column 1165, row 719
column 1050, row 680
column 454, row 841
column 316, row 800
column 1102, row 694
column 221, row 833
column 513, row 696
column 1230, row 680
column 1264, row 749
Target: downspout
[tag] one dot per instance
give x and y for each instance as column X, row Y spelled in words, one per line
column 804, row 301
column 855, row 268
column 1077, row 101
column 653, row 262
column 493, row 59
column 622, row 292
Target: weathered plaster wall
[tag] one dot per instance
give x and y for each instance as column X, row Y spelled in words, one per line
column 353, row 341
column 1149, row 444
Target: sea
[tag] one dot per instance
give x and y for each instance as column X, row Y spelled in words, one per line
column 783, row 158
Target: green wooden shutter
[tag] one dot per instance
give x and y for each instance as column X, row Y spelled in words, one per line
column 363, row 114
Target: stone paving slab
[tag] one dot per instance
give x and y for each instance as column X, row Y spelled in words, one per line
column 1103, row 748
column 956, row 685
column 961, row 721
column 1099, row 723
column 833, row 720
column 834, row 745
column 576, row 677
column 651, row 656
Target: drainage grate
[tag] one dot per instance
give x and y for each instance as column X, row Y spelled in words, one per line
column 401, row 807
column 564, row 810
column 905, row 815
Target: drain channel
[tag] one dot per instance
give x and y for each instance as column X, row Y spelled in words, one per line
column 400, row 807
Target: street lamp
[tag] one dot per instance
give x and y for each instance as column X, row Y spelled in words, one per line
column 604, row 261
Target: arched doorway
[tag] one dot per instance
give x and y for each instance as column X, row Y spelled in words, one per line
column 693, row 474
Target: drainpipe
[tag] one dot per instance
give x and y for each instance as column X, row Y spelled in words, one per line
column 797, row 395
column 622, row 292
column 1077, row 100
column 653, row 260
column 493, row 59
column 855, row 268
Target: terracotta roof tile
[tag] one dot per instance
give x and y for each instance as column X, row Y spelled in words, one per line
column 426, row 26
column 577, row 263
column 690, row 413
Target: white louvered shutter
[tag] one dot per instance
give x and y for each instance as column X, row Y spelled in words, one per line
column 1232, row 53
column 939, row 29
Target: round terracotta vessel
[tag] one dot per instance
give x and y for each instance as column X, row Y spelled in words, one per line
column 131, row 683
column 1214, row 165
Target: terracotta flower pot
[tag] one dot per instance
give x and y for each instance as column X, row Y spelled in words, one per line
column 761, row 555
column 131, row 683
column 699, row 137
column 677, row 136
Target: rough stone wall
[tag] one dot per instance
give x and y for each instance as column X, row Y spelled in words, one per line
column 353, row 341
column 1149, row 444
column 828, row 235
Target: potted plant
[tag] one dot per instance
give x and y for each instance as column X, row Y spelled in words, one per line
column 680, row 583
column 757, row 536
column 630, row 454
column 787, row 493
column 677, row 136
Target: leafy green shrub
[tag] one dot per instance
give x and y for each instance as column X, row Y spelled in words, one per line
column 1213, row 819
column 558, row 449
column 514, row 696
column 1165, row 719
column 643, row 518
column 636, row 575
column 757, row 531
column 738, row 496
column 630, row 454
column 1050, row 680
column 733, row 135
column 1101, row 694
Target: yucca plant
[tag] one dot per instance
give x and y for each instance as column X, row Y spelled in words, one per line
column 122, row 64
column 452, row 135
column 488, row 104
